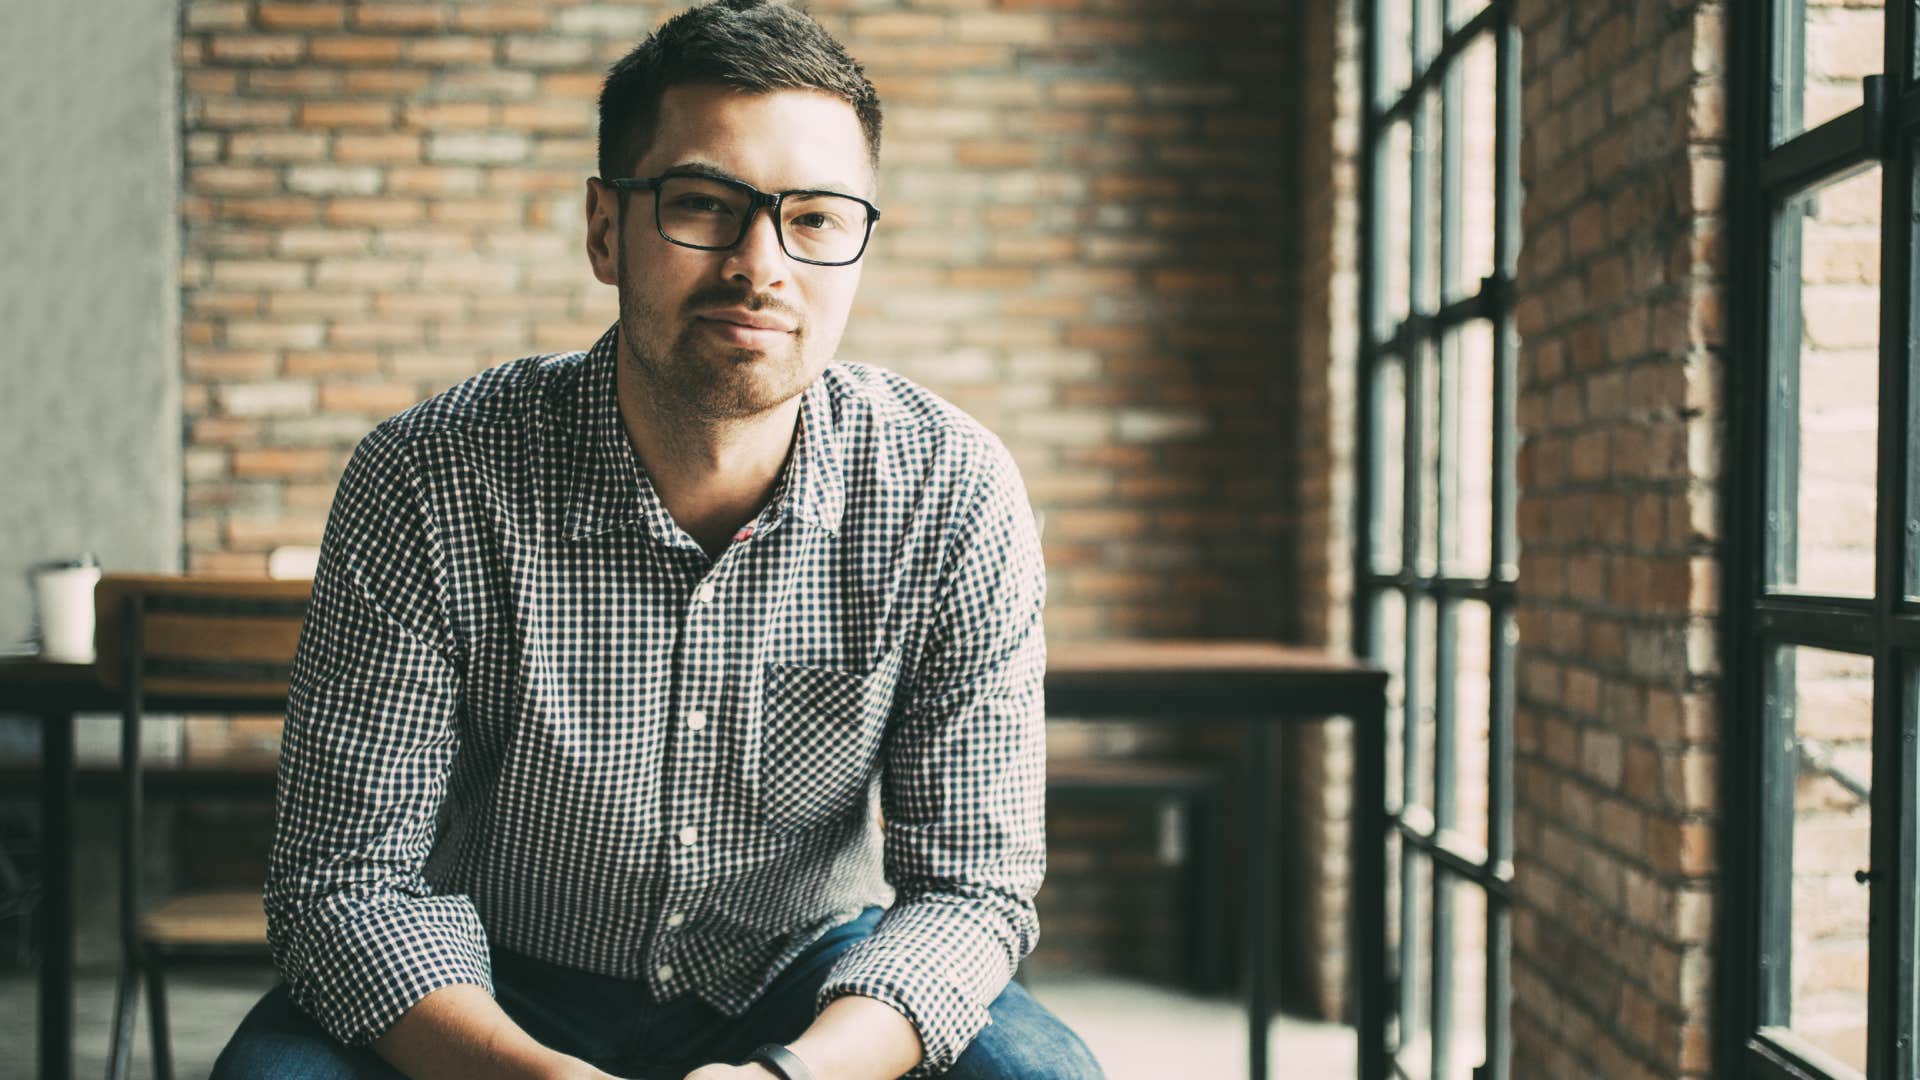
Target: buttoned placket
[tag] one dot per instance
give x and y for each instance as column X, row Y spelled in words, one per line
column 693, row 720
column 701, row 616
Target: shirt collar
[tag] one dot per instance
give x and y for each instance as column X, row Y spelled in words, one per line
column 611, row 488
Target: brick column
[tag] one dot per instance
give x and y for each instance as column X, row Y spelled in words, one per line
column 1620, row 416
column 1319, row 756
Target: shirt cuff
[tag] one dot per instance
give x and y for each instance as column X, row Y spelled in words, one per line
column 939, row 965
column 358, row 971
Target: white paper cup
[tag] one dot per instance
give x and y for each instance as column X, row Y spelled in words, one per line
column 63, row 602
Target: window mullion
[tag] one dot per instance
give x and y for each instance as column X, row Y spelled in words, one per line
column 1891, row 920
column 1753, row 66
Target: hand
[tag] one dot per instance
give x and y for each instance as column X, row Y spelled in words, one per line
column 755, row 1071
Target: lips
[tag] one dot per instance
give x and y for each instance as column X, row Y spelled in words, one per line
column 749, row 320
column 746, row 337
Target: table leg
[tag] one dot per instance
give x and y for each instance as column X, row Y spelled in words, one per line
column 56, row 904
column 1260, row 856
column 1367, row 827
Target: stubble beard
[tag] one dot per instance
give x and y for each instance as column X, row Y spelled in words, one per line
column 703, row 381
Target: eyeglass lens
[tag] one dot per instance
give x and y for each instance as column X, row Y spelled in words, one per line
column 708, row 213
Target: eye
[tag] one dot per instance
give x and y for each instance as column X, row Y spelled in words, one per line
column 703, row 204
column 818, row 220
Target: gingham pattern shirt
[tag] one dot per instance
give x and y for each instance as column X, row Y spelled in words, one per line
column 529, row 711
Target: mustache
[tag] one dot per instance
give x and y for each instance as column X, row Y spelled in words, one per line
column 716, row 299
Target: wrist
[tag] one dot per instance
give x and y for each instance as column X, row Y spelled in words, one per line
column 568, row 1068
column 781, row 1062
column 534, row 1061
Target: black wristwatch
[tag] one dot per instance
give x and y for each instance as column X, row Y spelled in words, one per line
column 784, row 1062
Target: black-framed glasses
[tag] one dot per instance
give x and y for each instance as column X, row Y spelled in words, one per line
column 711, row 213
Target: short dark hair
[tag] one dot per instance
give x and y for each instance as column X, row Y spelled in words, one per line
column 754, row 45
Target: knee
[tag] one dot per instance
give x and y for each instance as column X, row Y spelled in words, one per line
column 278, row 1040
column 1025, row 1042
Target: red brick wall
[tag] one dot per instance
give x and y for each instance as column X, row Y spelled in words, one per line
column 1083, row 246
column 1087, row 244
column 1620, row 414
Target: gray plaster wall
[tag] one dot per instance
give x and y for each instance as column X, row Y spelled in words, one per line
column 90, row 420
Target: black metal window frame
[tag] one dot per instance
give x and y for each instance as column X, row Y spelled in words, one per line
column 1771, row 162
column 1420, row 342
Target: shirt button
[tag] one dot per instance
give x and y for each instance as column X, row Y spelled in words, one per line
column 704, row 593
column 664, row 972
column 675, row 919
column 688, row 835
column 696, row 720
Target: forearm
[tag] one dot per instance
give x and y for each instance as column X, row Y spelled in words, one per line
column 859, row 1038
column 459, row 1031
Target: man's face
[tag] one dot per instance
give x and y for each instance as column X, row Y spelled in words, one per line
column 676, row 302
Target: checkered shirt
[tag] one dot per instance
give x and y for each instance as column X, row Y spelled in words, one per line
column 528, row 710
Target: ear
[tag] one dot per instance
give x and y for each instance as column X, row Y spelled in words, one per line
column 603, row 231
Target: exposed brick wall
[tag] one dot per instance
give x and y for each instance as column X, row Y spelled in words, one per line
column 1620, row 415
column 1081, row 248
column 1086, row 245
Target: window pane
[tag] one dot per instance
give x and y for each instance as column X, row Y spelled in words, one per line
column 1827, row 399
column 1472, row 243
column 1390, row 622
column 1471, row 711
column 1394, row 866
column 1429, row 150
column 1390, row 426
column 1829, row 765
column 1469, row 531
column 1467, row 989
column 1416, row 966
column 1428, row 552
column 1419, row 708
column 1427, row 31
column 1841, row 42
column 1396, row 44
column 1396, row 250
column 1461, row 12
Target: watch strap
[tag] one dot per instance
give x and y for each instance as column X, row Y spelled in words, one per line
column 783, row 1061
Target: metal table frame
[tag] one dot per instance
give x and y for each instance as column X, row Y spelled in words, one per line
column 55, row 693
column 1261, row 684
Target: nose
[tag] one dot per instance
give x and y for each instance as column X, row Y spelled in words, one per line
column 757, row 259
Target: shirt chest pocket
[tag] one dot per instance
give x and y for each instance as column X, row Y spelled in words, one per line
column 821, row 733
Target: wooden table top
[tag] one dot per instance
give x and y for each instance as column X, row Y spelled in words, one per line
column 33, row 676
column 34, row 685
column 1077, row 673
column 1183, row 679
column 1187, row 656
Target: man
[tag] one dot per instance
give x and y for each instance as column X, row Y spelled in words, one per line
column 616, row 661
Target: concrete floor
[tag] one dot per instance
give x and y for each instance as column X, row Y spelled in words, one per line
column 1139, row 1031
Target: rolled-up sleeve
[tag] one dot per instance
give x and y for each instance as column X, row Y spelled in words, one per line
column 355, row 929
column 963, row 787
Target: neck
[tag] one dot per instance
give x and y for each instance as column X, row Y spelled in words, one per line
column 713, row 475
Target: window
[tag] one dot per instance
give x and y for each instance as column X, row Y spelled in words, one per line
column 1436, row 558
column 1822, row 623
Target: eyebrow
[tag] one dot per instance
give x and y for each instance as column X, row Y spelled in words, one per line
column 704, row 168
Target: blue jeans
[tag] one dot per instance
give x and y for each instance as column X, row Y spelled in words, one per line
column 610, row 1024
